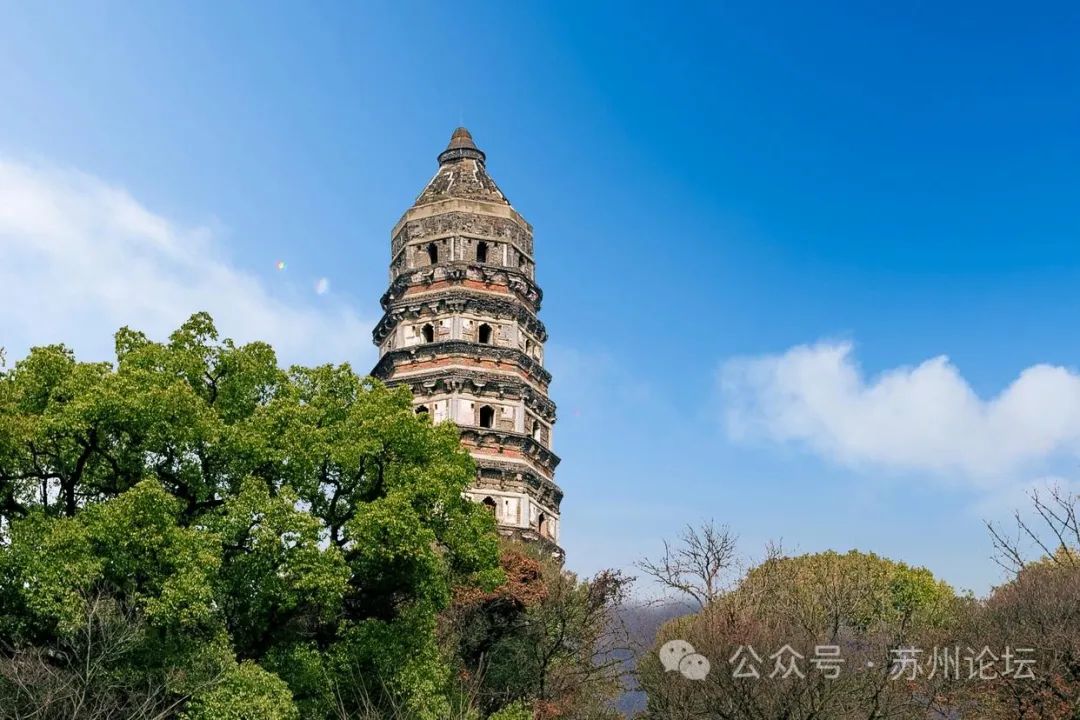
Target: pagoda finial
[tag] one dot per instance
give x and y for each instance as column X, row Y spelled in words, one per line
column 461, row 146
column 461, row 138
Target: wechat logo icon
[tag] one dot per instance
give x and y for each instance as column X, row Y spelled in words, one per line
column 680, row 655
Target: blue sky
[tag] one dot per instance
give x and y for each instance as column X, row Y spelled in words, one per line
column 759, row 230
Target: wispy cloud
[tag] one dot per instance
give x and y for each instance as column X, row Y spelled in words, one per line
column 80, row 257
column 924, row 418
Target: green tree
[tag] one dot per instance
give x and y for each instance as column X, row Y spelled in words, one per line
column 784, row 610
column 274, row 534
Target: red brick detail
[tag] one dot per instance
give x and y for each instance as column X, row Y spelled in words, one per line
column 482, row 363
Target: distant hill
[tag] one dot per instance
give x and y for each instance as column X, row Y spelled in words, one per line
column 642, row 623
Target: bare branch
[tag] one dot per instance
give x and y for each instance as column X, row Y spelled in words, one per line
column 698, row 565
column 1057, row 535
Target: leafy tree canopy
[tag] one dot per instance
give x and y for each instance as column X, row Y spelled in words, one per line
column 830, row 592
column 863, row 605
column 272, row 533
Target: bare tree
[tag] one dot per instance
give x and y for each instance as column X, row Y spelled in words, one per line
column 1037, row 608
column 1058, row 539
column 79, row 677
column 697, row 564
column 584, row 643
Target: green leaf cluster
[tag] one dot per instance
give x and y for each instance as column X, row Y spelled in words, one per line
column 278, row 533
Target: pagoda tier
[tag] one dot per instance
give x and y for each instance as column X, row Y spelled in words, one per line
column 460, row 328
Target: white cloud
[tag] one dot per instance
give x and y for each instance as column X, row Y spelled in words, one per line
column 79, row 258
column 923, row 418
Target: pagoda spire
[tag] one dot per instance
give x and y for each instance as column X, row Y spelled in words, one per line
column 462, row 174
column 461, row 146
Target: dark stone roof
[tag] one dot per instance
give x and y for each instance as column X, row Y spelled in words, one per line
column 461, row 174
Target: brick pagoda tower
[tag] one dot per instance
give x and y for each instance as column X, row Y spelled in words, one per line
column 460, row 328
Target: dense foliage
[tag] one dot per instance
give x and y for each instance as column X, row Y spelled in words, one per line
column 1039, row 609
column 194, row 530
column 544, row 637
column 907, row 647
column 787, row 607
